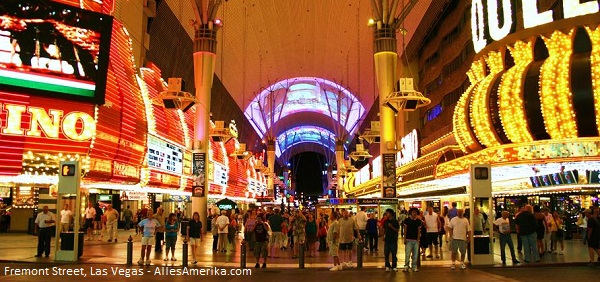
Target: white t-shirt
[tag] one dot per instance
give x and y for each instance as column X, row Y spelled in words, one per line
column 460, row 227
column 222, row 221
column 90, row 213
column 503, row 225
column 65, row 216
column 431, row 220
column 361, row 220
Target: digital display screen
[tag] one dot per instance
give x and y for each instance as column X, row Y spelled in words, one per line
column 594, row 177
column 55, row 50
column 545, row 180
column 556, row 179
column 220, row 174
column 570, row 176
column 164, row 155
column 535, row 181
column 304, row 134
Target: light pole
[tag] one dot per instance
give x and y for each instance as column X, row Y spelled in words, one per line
column 205, row 54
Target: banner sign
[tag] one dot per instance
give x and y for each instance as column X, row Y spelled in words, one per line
column 389, row 175
column 199, row 169
column 377, row 201
column 133, row 195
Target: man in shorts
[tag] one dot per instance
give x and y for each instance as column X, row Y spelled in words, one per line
column 348, row 228
column 149, row 226
column 299, row 232
column 333, row 241
column 432, row 221
column 276, row 239
column 459, row 234
column 90, row 214
column 261, row 237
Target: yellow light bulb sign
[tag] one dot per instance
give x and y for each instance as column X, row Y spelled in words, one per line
column 68, row 178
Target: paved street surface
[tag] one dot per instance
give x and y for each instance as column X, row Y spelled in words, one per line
column 104, row 260
column 153, row 273
column 21, row 247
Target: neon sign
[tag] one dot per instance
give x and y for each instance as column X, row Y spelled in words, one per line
column 485, row 18
column 410, row 148
column 77, row 126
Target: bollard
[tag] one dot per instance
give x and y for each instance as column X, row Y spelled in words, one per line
column 359, row 254
column 243, row 255
column 184, row 257
column 301, row 247
column 130, row 251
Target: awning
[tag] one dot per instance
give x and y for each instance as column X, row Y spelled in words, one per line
column 423, row 169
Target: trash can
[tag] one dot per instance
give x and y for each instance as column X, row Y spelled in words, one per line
column 184, row 224
column 66, row 242
column 481, row 244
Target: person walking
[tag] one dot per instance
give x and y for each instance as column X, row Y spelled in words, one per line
column 249, row 229
column 44, row 227
column 526, row 226
column 127, row 217
column 222, row 226
column 372, row 232
column 261, row 237
column 277, row 237
column 390, row 239
column 66, row 217
column 90, row 215
column 361, row 222
column 112, row 221
column 333, row 241
column 401, row 217
column 459, row 234
column 412, row 237
column 593, row 236
column 215, row 232
column 559, row 235
column 503, row 227
column 348, row 228
column 299, row 231
column 160, row 234
column 171, row 229
column 432, row 222
column 322, row 233
column 311, row 234
column 194, row 234
column 148, row 229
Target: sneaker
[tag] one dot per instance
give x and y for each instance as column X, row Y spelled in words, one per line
column 415, row 270
column 453, row 267
column 194, row 262
column 463, row 266
column 395, row 269
column 405, row 269
column 340, row 267
column 166, row 259
column 264, row 265
column 561, row 253
column 257, row 265
column 141, row 262
column 173, row 259
column 349, row 264
column 148, row 262
column 387, row 269
column 334, row 268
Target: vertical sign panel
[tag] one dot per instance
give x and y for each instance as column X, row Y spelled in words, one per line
column 389, row 175
column 199, row 168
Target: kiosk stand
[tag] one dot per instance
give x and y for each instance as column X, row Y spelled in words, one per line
column 69, row 245
column 482, row 251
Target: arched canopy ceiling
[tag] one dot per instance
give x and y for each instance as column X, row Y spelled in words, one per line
column 293, row 98
column 304, row 135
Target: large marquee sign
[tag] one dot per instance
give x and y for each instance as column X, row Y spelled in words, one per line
column 493, row 20
column 164, row 155
column 51, row 49
column 21, row 120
